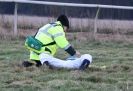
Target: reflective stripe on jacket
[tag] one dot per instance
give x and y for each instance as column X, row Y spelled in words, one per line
column 50, row 33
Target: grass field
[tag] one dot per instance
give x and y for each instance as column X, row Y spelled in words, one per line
column 111, row 69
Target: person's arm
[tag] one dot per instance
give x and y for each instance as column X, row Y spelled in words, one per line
column 62, row 42
column 70, row 50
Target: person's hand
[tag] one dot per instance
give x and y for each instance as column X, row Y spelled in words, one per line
column 78, row 54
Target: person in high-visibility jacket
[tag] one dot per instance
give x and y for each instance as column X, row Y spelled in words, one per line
column 53, row 36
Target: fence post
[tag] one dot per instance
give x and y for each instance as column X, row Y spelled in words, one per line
column 95, row 23
column 15, row 19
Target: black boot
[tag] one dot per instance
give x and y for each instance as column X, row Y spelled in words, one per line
column 37, row 63
column 84, row 64
column 27, row 64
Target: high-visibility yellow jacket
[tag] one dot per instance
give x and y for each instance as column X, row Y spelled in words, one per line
column 52, row 32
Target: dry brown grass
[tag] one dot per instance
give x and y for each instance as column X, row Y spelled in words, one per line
column 107, row 29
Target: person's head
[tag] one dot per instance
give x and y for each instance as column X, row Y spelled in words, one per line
column 64, row 21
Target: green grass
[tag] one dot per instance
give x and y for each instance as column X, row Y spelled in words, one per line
column 111, row 69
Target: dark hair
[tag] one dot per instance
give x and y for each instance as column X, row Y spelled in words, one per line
column 64, row 20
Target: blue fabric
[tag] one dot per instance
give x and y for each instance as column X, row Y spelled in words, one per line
column 71, row 58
